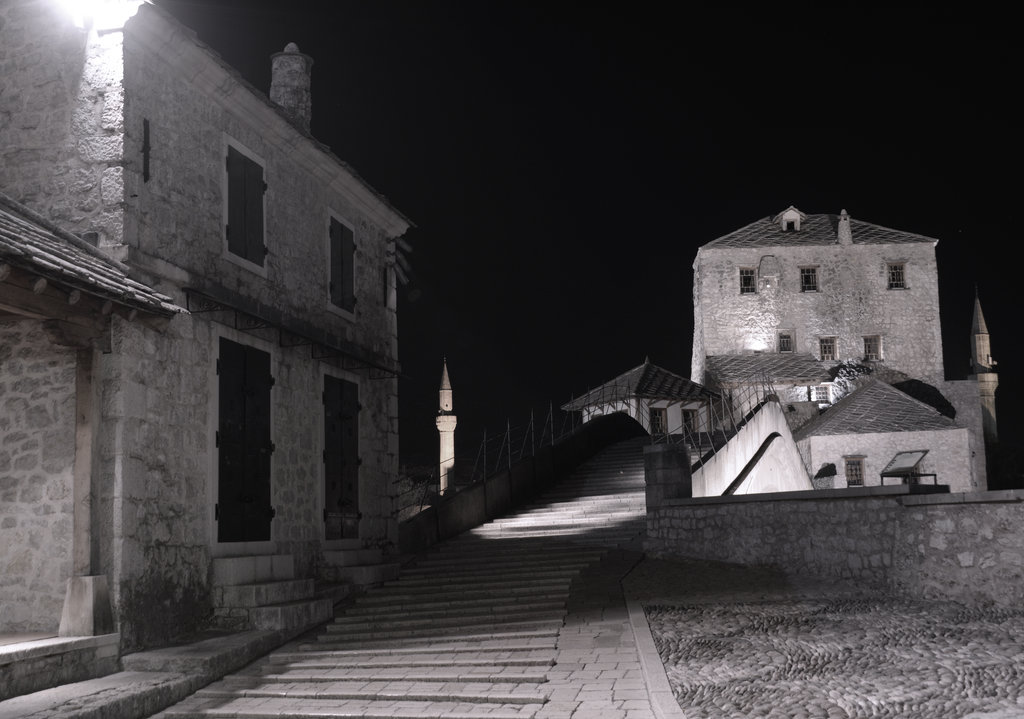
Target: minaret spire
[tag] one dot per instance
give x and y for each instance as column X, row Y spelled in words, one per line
column 446, row 422
column 983, row 370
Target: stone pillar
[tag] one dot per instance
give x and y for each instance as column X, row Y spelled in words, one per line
column 87, row 610
column 666, row 473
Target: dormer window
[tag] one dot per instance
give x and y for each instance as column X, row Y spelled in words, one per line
column 789, row 219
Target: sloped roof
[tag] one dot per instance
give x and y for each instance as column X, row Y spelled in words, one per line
column 814, row 230
column 30, row 242
column 647, row 381
column 795, row 367
column 875, row 408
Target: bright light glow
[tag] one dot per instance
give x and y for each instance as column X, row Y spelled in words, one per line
column 100, row 14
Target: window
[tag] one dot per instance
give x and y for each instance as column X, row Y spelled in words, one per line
column 342, row 282
column 244, row 228
column 873, row 348
column 808, row 279
column 748, row 284
column 854, row 471
column 659, row 420
column 820, row 394
column 827, row 348
column 786, row 341
column 897, row 276
column 790, row 226
column 690, row 420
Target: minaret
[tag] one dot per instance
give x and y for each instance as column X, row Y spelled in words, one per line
column 983, row 369
column 446, row 427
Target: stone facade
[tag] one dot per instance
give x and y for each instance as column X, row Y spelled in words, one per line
column 123, row 131
column 949, row 455
column 37, row 449
column 852, row 302
column 965, row 547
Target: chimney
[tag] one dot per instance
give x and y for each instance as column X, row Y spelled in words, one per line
column 289, row 83
column 845, row 237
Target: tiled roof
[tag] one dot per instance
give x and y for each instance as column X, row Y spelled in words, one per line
column 875, row 407
column 30, row 242
column 781, row 367
column 647, row 381
column 814, row 230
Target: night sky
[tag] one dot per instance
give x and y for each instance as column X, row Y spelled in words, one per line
column 563, row 164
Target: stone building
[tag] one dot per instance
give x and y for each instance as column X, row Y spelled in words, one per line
column 794, row 298
column 243, row 412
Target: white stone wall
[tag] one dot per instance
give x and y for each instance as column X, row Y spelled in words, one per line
column 61, row 126
column 853, row 301
column 949, row 455
column 37, row 453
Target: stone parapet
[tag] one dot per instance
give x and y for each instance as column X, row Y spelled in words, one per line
column 920, row 542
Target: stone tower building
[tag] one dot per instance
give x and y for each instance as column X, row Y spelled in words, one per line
column 793, row 297
column 446, row 422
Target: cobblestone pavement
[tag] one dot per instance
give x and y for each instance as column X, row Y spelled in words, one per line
column 748, row 643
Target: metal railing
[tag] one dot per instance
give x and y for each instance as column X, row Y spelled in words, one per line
column 720, row 419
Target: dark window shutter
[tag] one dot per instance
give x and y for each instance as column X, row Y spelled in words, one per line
column 342, row 271
column 341, row 458
column 254, row 188
column 245, row 207
column 236, row 203
column 243, row 444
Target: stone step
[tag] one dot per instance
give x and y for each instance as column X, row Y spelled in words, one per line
column 361, row 575
column 479, row 567
column 467, row 611
column 353, row 557
column 481, row 553
column 287, row 708
column 518, row 641
column 385, row 599
column 253, row 569
column 501, row 579
column 443, row 619
column 456, row 604
column 510, row 628
column 263, row 593
column 484, row 673
column 284, row 616
column 278, row 664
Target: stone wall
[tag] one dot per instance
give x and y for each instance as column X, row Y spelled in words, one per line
column 154, row 457
column 61, row 126
column 193, row 115
column 779, row 469
column 949, row 455
column 37, row 452
column 966, row 547
column 852, row 302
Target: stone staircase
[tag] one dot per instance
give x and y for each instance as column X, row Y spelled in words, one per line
column 261, row 592
column 347, row 561
column 470, row 630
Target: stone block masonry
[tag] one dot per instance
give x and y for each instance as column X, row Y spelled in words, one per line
column 966, row 547
column 37, row 450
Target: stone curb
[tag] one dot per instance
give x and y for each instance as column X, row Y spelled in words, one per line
column 659, row 692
